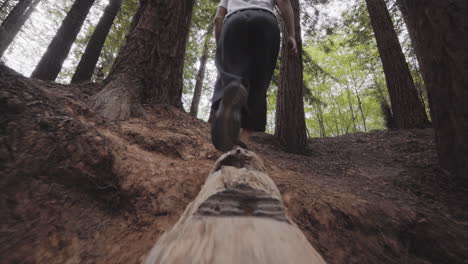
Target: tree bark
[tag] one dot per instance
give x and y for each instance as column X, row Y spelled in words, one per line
column 51, row 62
column 238, row 217
column 14, row 22
column 87, row 65
column 408, row 110
column 411, row 31
column 201, row 72
column 441, row 32
column 290, row 119
column 149, row 68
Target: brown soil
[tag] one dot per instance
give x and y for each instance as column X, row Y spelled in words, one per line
column 78, row 189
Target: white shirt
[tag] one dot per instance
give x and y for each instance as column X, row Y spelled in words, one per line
column 236, row 5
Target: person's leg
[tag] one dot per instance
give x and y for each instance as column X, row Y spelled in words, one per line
column 265, row 38
column 233, row 61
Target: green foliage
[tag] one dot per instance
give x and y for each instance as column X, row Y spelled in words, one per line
column 342, row 95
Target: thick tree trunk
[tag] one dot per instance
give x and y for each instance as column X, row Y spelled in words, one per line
column 51, row 62
column 85, row 69
column 290, row 119
column 201, row 73
column 14, row 22
column 238, row 217
column 149, row 68
column 408, row 110
column 441, row 32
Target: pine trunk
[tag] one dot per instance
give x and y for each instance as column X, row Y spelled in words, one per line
column 85, row 69
column 290, row 119
column 238, row 217
column 51, row 62
column 14, row 22
column 201, row 73
column 441, row 32
column 408, row 110
column 149, row 68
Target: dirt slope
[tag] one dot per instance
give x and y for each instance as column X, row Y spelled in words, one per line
column 78, row 189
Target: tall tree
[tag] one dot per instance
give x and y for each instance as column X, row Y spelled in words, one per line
column 51, row 62
column 441, row 32
column 14, row 22
column 149, row 67
column 408, row 110
column 290, row 118
column 87, row 65
column 201, row 72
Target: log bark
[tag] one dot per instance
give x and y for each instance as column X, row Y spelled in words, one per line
column 149, row 68
column 51, row 62
column 238, row 217
column 408, row 110
column 87, row 65
column 290, row 118
column 201, row 73
column 441, row 32
column 14, row 22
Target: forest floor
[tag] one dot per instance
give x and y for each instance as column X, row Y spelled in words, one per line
column 78, row 189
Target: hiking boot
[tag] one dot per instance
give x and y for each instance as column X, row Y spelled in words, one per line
column 227, row 124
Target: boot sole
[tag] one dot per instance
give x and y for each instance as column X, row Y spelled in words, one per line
column 226, row 127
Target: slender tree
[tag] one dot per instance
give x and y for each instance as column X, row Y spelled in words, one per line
column 149, row 68
column 290, row 118
column 441, row 33
column 408, row 110
column 201, row 72
column 14, row 22
column 51, row 62
column 87, row 64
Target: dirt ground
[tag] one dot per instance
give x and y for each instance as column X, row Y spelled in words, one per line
column 78, row 189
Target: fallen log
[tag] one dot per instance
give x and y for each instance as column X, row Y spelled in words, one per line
column 238, row 217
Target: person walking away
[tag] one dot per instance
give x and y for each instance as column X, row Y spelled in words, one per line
column 248, row 39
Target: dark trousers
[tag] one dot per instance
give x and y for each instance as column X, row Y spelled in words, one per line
column 247, row 52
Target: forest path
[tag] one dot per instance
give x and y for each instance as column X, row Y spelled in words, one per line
column 78, row 189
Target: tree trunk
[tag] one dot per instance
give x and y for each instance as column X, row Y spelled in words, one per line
column 238, row 217
column 411, row 30
column 408, row 110
column 441, row 32
column 149, row 68
column 361, row 109
column 14, row 22
column 201, row 72
column 87, row 65
column 290, row 119
column 51, row 62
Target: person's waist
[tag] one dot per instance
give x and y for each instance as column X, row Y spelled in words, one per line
column 251, row 9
